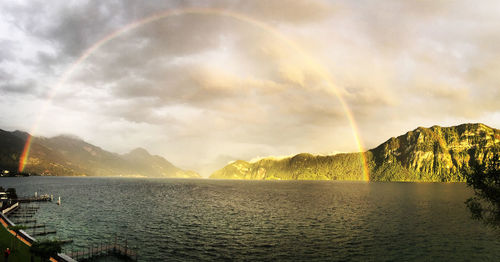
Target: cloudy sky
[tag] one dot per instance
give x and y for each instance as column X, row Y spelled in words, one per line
column 204, row 88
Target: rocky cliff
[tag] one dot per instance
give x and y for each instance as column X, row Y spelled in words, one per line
column 424, row 154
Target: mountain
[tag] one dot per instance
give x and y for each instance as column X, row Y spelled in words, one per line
column 442, row 154
column 156, row 165
column 70, row 156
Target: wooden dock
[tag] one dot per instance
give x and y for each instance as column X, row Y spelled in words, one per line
column 43, row 198
column 103, row 250
column 23, row 214
column 66, row 241
column 30, row 207
column 44, row 232
column 25, row 221
column 20, row 212
column 35, row 226
column 20, row 216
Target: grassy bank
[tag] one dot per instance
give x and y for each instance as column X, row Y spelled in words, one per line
column 19, row 251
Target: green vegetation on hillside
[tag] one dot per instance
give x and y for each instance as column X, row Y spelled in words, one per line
column 436, row 154
column 299, row 167
column 70, row 156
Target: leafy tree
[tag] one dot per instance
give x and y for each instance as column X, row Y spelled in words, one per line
column 485, row 205
column 45, row 249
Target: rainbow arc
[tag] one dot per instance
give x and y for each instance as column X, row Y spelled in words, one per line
column 312, row 63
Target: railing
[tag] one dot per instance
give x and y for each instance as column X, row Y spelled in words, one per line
column 26, row 238
column 103, row 250
column 10, row 209
column 83, row 255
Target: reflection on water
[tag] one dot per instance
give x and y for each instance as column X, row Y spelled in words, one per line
column 179, row 220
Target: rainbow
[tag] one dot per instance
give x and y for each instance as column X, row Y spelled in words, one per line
column 25, row 153
column 321, row 71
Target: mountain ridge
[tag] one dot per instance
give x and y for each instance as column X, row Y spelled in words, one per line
column 431, row 154
column 72, row 156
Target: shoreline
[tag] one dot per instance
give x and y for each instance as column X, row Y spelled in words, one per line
column 229, row 179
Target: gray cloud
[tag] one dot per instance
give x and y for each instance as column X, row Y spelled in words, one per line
column 5, row 55
column 290, row 11
column 5, row 76
column 27, row 87
column 198, row 86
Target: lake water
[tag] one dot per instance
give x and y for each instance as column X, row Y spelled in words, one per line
column 204, row 220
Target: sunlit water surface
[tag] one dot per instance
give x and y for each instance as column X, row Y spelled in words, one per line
column 203, row 220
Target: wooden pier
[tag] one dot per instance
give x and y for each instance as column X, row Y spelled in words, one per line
column 20, row 216
column 44, row 232
column 23, row 213
column 43, row 198
column 31, row 207
column 25, row 221
column 35, row 226
column 103, row 250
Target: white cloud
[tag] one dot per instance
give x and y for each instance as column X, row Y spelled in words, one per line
column 202, row 89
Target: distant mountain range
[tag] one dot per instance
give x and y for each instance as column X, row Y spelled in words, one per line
column 71, row 156
column 443, row 154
